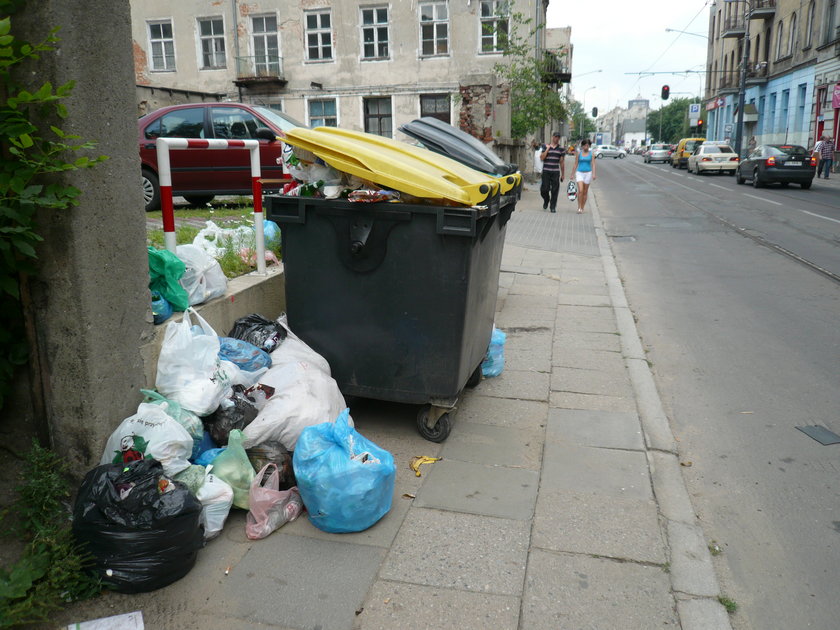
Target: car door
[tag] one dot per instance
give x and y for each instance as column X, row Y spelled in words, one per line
column 186, row 164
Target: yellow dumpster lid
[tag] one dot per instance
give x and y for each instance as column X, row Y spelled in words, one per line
column 396, row 165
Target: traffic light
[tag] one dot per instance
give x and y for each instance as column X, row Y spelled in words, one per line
column 700, row 126
column 666, row 92
column 594, row 112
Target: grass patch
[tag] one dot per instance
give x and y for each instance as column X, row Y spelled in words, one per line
column 52, row 570
column 729, row 604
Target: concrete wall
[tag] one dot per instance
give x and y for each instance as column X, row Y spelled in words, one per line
column 90, row 302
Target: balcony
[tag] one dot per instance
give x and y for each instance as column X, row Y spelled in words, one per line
column 728, row 85
column 259, row 70
column 763, row 9
column 735, row 27
column 554, row 70
column 757, row 75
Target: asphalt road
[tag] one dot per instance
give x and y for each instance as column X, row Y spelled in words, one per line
column 737, row 296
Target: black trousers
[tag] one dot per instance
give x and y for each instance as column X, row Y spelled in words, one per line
column 550, row 187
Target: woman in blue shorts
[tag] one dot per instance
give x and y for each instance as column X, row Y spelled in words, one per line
column 584, row 172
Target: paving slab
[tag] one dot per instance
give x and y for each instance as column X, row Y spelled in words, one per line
column 579, row 381
column 590, row 340
column 283, row 578
column 516, row 316
column 517, row 384
column 398, row 606
column 588, row 359
column 597, row 524
column 536, row 360
column 581, row 592
column 533, row 338
column 568, row 400
column 604, row 429
column 489, row 444
column 460, row 551
column 518, row 414
column 574, row 299
column 605, row 471
column 522, row 300
column 480, row 489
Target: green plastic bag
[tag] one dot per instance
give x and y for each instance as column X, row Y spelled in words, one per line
column 165, row 271
column 233, row 466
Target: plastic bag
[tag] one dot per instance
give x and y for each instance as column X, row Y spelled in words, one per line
column 184, row 417
column 192, row 477
column 216, row 498
column 234, row 412
column 294, row 349
column 207, row 457
column 150, row 433
column 271, row 233
column 203, row 277
column 256, row 329
column 244, row 354
column 273, row 452
column 346, row 481
column 270, row 507
column 189, row 369
column 494, row 361
column 216, row 241
column 161, row 308
column 141, row 528
column 165, row 271
column 232, row 466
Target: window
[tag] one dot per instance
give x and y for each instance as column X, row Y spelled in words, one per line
column 771, row 119
column 760, row 127
column 783, row 119
column 800, row 106
column 809, row 33
column 375, row 33
column 792, row 34
column 434, row 29
column 234, row 123
column 436, row 106
column 378, row 119
column 322, row 113
column 318, row 36
column 266, row 45
column 495, row 17
column 780, row 35
column 830, row 9
column 211, row 35
column 182, row 123
column 162, row 45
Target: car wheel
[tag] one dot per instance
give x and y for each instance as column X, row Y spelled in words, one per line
column 805, row 185
column 620, row 156
column 756, row 180
column 738, row 178
column 151, row 190
column 599, row 156
column 199, row 200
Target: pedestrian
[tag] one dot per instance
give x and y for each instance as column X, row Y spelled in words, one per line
column 584, row 173
column 751, row 144
column 538, row 163
column 826, row 156
column 554, row 171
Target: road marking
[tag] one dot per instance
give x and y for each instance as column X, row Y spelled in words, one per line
column 721, row 187
column 819, row 216
column 762, row 199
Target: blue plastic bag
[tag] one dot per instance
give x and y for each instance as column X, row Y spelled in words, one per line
column 345, row 480
column 206, row 458
column 161, row 308
column 271, row 233
column 246, row 355
column 494, row 362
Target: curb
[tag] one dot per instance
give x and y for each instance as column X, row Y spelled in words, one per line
column 693, row 579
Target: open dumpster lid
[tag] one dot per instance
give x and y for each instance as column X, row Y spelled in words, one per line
column 396, row 165
column 450, row 141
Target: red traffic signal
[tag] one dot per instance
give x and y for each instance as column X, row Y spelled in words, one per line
column 666, row 92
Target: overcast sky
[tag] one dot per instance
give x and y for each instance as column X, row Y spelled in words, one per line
column 619, row 37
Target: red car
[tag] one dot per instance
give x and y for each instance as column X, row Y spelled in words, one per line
column 198, row 175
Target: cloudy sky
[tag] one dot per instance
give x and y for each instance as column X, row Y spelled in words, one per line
column 620, row 37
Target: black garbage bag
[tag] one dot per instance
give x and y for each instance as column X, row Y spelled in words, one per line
column 141, row 527
column 234, row 412
column 256, row 329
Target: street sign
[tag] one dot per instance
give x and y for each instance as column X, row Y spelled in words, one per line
column 693, row 114
column 727, row 128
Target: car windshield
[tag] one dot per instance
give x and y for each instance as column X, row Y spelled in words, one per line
column 283, row 121
column 690, row 146
column 717, row 148
column 659, row 147
column 787, row 149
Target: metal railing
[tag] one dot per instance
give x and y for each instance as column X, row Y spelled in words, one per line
column 259, row 67
column 735, row 24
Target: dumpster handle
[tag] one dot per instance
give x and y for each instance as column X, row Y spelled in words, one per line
column 359, row 233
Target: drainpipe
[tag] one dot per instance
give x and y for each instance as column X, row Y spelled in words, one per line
column 234, row 5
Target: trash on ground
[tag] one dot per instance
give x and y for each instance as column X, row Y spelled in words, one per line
column 264, row 333
column 270, row 508
column 203, row 277
column 820, row 434
column 127, row 621
column 494, row 362
column 216, row 498
column 419, row 460
column 165, row 271
column 234, row 467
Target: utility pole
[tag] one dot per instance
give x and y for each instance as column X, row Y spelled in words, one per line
column 742, row 88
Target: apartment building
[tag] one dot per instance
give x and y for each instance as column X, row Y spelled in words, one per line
column 792, row 70
column 360, row 65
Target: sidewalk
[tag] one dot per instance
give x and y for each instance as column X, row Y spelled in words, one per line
column 559, row 502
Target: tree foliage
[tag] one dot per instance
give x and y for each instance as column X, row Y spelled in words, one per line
column 582, row 124
column 534, row 101
column 674, row 117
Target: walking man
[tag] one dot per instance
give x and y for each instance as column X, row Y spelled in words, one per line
column 554, row 171
column 826, row 148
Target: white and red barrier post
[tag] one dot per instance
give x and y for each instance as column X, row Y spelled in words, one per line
column 165, row 145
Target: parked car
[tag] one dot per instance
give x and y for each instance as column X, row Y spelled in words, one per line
column 608, row 150
column 657, row 153
column 200, row 174
column 711, row 157
column 685, row 147
column 782, row 163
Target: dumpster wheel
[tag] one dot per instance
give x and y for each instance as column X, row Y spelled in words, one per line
column 440, row 431
column 475, row 377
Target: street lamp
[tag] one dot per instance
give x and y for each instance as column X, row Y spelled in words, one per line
column 584, row 107
column 742, row 87
column 675, row 30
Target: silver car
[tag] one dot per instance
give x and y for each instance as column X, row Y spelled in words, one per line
column 657, row 153
column 608, row 150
